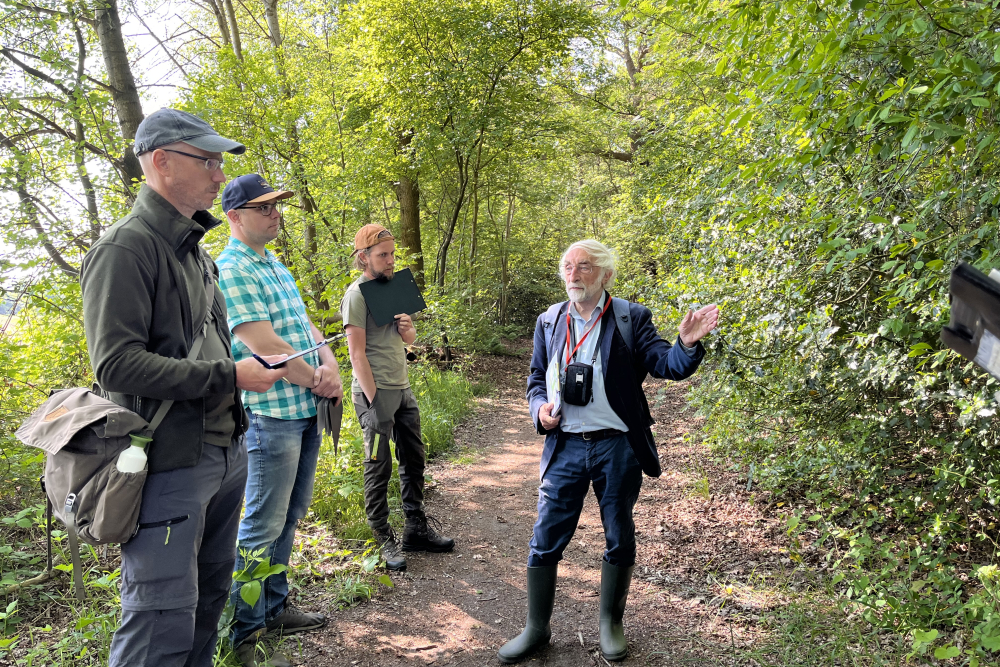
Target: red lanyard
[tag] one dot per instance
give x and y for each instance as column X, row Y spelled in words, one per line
column 569, row 355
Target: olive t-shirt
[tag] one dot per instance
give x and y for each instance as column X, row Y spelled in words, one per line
column 383, row 345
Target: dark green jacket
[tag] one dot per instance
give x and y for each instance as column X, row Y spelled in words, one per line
column 139, row 323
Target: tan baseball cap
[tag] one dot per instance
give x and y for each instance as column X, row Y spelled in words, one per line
column 370, row 235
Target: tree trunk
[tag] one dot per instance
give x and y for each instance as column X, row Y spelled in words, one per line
column 78, row 158
column 31, row 215
column 306, row 201
column 463, row 184
column 271, row 14
column 220, row 18
column 475, row 227
column 235, row 27
column 123, row 91
column 505, row 264
column 408, row 194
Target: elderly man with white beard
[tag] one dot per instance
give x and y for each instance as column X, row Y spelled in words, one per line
column 597, row 432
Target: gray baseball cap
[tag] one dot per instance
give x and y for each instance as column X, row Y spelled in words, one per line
column 168, row 126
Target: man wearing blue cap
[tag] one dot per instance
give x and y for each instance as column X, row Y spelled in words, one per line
column 149, row 299
column 267, row 316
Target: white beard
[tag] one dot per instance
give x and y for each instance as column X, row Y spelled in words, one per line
column 579, row 292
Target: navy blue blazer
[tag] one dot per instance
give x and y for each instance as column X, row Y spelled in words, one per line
column 624, row 372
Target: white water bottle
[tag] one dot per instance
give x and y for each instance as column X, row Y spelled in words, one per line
column 133, row 459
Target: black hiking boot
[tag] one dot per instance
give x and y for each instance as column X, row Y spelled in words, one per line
column 615, row 582
column 391, row 553
column 419, row 536
column 536, row 634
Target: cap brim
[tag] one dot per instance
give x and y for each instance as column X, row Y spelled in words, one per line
column 277, row 195
column 213, row 143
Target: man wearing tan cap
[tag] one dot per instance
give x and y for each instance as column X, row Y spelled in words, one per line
column 267, row 316
column 386, row 406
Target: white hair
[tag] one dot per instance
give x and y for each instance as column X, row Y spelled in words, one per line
column 600, row 255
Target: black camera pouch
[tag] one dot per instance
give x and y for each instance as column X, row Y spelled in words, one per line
column 578, row 385
column 578, row 388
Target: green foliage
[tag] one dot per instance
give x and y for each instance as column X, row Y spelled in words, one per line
column 816, row 169
column 255, row 571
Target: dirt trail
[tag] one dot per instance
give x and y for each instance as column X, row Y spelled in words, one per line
column 700, row 539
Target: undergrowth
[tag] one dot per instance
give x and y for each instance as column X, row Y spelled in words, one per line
column 334, row 565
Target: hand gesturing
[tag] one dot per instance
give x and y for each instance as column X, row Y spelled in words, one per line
column 697, row 324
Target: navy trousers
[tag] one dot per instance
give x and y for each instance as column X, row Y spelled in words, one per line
column 576, row 463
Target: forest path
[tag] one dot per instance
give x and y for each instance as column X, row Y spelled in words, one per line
column 701, row 545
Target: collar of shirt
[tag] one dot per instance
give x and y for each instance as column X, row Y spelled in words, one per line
column 576, row 314
column 242, row 247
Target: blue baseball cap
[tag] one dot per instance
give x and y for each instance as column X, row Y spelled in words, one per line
column 250, row 189
column 169, row 126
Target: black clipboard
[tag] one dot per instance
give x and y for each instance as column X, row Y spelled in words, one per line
column 386, row 299
column 974, row 328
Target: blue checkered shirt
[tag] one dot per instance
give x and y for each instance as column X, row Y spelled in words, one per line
column 262, row 289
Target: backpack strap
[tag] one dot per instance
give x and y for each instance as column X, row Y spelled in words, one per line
column 550, row 319
column 623, row 321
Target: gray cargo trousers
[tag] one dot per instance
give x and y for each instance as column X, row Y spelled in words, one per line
column 394, row 414
column 177, row 570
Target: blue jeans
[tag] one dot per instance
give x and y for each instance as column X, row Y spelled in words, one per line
column 282, row 466
column 617, row 478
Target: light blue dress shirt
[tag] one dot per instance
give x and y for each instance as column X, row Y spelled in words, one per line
column 597, row 415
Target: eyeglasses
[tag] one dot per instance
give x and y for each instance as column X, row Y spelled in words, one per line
column 211, row 163
column 265, row 209
column 585, row 269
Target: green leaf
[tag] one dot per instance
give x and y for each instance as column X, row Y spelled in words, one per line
column 858, row 5
column 250, row 592
column 84, row 622
column 720, row 67
column 262, row 568
column 980, row 102
column 922, row 637
column 917, row 585
column 946, row 652
column 385, row 580
column 991, row 643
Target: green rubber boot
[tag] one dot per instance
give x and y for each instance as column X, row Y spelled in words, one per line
column 536, row 634
column 615, row 582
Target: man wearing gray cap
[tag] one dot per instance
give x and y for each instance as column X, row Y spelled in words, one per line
column 149, row 297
